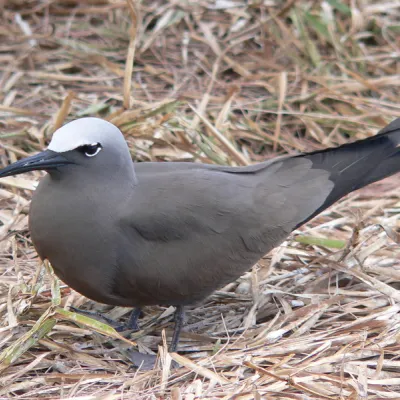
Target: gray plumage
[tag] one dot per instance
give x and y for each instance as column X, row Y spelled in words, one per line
column 134, row 234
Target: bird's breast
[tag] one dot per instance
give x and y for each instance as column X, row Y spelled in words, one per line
column 74, row 237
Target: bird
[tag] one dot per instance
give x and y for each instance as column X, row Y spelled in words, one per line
column 135, row 234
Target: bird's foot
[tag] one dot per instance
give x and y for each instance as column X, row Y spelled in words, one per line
column 147, row 361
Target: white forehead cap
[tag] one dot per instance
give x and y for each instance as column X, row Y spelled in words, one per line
column 84, row 131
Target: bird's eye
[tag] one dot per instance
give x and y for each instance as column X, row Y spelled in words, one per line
column 90, row 150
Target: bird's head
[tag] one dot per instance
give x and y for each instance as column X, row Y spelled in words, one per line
column 92, row 144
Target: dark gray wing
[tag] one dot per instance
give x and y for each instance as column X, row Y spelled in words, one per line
column 192, row 228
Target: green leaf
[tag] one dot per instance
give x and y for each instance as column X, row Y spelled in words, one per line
column 318, row 26
column 93, row 109
column 315, row 241
column 90, row 323
column 310, row 48
column 338, row 5
column 41, row 328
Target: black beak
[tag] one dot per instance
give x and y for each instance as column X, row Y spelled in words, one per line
column 46, row 160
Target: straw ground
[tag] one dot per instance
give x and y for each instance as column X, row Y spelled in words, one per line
column 229, row 82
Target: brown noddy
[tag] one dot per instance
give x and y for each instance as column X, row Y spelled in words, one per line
column 135, row 234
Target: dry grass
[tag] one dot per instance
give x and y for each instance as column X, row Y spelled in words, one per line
column 224, row 82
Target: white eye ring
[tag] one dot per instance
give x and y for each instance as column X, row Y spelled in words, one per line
column 93, row 145
column 94, row 154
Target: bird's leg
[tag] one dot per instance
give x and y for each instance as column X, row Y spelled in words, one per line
column 179, row 318
column 132, row 323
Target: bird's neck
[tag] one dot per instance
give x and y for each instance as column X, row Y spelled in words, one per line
column 121, row 181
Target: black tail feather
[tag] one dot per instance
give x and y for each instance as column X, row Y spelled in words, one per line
column 355, row 165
